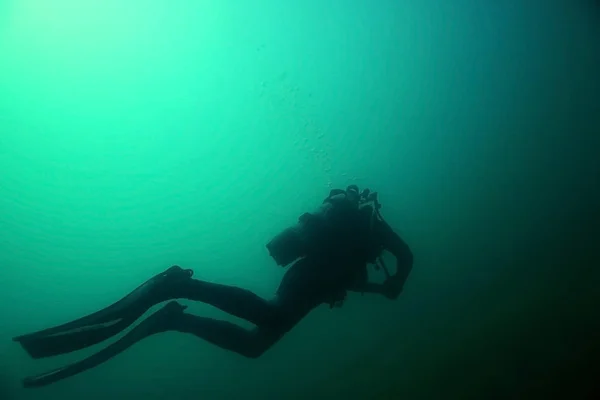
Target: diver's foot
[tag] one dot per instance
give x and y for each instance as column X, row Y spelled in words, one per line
column 177, row 271
column 165, row 286
column 171, row 308
column 163, row 319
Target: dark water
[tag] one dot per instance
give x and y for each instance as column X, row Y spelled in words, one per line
column 136, row 135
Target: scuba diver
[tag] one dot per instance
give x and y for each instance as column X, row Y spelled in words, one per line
column 329, row 251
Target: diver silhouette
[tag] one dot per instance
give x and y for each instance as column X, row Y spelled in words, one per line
column 329, row 250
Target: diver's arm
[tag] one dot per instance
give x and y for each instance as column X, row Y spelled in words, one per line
column 392, row 287
column 362, row 285
column 390, row 240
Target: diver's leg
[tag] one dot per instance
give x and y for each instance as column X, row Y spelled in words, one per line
column 294, row 300
column 249, row 343
column 173, row 283
column 233, row 300
column 285, row 311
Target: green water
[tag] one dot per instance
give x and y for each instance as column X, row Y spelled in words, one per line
column 135, row 135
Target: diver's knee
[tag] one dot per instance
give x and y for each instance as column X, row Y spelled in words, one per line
column 263, row 340
column 254, row 352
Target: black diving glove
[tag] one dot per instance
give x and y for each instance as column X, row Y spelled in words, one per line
column 392, row 287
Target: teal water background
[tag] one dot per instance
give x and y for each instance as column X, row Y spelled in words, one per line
column 136, row 135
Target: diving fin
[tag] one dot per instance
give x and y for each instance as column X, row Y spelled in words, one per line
column 156, row 323
column 101, row 325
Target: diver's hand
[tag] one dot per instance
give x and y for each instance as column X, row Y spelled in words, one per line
column 392, row 287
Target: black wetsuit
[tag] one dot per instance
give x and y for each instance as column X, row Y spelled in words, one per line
column 307, row 283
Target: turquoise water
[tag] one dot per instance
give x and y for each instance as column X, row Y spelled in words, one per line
column 137, row 135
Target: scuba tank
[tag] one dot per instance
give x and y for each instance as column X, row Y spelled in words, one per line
column 309, row 234
column 313, row 231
